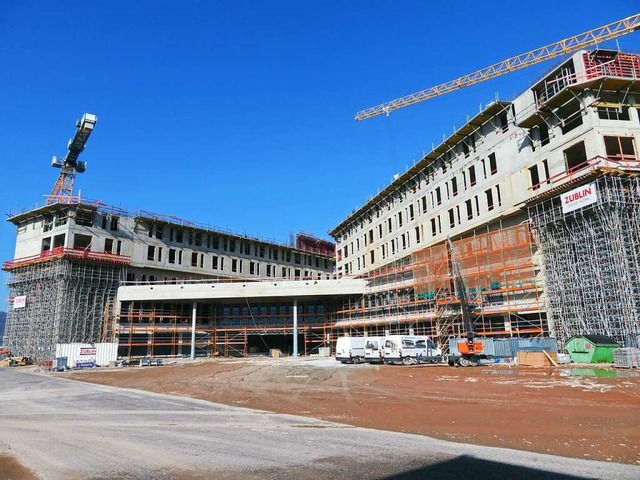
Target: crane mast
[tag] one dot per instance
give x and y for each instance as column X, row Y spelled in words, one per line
column 70, row 165
column 563, row 47
column 471, row 351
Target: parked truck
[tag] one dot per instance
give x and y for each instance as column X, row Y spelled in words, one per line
column 350, row 349
column 374, row 350
column 410, row 350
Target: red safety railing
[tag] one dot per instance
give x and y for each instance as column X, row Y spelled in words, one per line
column 63, row 252
column 620, row 66
column 595, row 163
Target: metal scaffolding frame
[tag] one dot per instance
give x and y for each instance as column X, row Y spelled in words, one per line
column 591, row 262
column 67, row 300
column 147, row 328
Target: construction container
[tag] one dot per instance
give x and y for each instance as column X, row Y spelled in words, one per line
column 626, row 357
column 592, row 348
column 87, row 354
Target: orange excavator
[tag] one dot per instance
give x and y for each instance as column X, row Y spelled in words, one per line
column 471, row 351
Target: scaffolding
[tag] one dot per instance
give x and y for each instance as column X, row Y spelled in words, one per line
column 416, row 295
column 66, row 299
column 591, row 262
column 222, row 329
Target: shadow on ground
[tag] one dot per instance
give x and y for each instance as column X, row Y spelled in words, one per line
column 469, row 467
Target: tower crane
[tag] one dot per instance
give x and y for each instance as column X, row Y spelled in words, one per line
column 70, row 165
column 563, row 47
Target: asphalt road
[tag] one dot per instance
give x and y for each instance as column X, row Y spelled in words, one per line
column 63, row 429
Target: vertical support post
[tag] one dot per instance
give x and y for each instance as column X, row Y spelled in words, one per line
column 193, row 331
column 295, row 327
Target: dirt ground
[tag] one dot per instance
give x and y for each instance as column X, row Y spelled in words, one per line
column 562, row 411
column 11, row 469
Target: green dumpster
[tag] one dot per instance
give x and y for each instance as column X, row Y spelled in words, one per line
column 591, row 348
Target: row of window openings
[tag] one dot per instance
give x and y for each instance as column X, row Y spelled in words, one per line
column 572, row 119
column 51, row 221
column 368, row 238
column 436, row 198
column 455, row 218
column 466, row 149
column 244, row 248
column 575, row 157
column 82, row 218
column 618, row 148
column 80, row 241
column 217, row 263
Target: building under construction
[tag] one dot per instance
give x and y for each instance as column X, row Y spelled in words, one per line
column 538, row 197
column 72, row 254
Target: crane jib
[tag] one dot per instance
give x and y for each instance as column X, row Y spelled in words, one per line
column 548, row 52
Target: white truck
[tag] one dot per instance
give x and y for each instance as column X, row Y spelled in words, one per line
column 374, row 349
column 410, row 350
column 350, row 349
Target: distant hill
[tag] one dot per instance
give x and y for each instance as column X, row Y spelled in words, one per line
column 3, row 319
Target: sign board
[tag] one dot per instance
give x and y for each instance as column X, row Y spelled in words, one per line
column 579, row 197
column 85, row 364
column 87, row 357
column 19, row 302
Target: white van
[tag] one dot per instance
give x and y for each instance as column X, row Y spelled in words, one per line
column 410, row 350
column 350, row 349
column 374, row 349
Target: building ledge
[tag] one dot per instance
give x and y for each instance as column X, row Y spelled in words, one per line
column 66, row 253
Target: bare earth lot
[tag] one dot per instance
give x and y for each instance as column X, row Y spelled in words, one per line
column 559, row 411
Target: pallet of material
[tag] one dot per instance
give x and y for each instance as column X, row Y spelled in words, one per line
column 626, row 357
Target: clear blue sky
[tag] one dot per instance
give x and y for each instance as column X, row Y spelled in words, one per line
column 240, row 114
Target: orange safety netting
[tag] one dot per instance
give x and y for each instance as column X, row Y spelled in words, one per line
column 431, row 270
column 495, row 260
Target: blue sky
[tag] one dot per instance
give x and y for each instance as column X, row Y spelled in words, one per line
column 240, row 114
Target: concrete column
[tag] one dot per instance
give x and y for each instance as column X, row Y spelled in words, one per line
column 193, row 331
column 295, row 327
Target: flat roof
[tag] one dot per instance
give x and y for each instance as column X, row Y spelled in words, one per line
column 242, row 290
